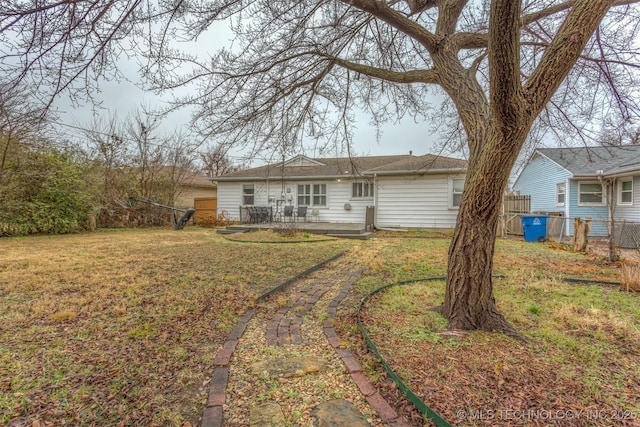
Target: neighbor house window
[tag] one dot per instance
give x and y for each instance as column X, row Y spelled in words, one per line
column 561, row 191
column 304, row 194
column 590, row 193
column 319, row 194
column 457, row 186
column 625, row 192
column 362, row 190
column 248, row 192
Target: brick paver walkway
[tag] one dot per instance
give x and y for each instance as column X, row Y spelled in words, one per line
column 290, row 327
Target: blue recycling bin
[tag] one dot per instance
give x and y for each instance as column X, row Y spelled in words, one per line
column 534, row 227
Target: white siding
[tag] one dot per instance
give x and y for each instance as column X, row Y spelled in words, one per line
column 339, row 195
column 417, row 202
column 230, row 197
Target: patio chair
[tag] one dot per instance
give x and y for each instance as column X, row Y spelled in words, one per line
column 253, row 214
column 302, row 212
column 315, row 213
column 264, row 214
column 288, row 213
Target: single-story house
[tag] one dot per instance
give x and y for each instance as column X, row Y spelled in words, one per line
column 585, row 182
column 406, row 190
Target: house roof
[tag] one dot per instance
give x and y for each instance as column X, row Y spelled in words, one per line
column 594, row 161
column 305, row 167
column 196, row 179
column 186, row 177
column 428, row 163
column 181, row 176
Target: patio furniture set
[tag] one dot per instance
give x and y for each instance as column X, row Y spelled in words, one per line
column 265, row 214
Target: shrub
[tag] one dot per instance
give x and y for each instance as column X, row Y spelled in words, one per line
column 44, row 191
column 213, row 221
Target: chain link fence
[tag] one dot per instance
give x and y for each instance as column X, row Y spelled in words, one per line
column 626, row 233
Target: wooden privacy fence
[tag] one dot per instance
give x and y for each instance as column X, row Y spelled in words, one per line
column 205, row 209
column 626, row 233
column 512, row 207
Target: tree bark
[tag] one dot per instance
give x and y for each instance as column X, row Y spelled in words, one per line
column 494, row 146
column 469, row 302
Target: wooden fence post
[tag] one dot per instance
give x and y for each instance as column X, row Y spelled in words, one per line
column 580, row 234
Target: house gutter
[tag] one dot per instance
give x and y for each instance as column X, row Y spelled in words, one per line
column 613, row 174
column 418, row 172
column 622, row 173
column 286, row 177
column 349, row 175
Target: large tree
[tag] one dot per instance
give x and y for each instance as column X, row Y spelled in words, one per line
column 297, row 70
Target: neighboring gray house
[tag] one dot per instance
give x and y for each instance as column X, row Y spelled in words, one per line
column 406, row 190
column 593, row 182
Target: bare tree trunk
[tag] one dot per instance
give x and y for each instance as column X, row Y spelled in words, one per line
column 469, row 302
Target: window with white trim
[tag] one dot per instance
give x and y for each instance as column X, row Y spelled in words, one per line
column 561, row 193
column 304, row 194
column 456, row 186
column 590, row 193
column 312, row 195
column 319, row 194
column 362, row 190
column 248, row 194
column 625, row 191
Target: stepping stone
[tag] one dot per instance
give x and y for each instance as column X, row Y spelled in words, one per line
column 289, row 367
column 338, row 413
column 266, row 415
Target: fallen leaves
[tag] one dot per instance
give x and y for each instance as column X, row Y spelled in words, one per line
column 582, row 357
column 121, row 327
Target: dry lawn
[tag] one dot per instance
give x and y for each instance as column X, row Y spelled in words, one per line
column 580, row 367
column 121, row 327
column 271, row 236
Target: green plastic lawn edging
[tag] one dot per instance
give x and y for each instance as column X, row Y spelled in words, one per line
column 598, row 282
column 411, row 396
column 298, row 276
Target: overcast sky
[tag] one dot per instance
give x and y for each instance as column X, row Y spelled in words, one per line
column 123, row 98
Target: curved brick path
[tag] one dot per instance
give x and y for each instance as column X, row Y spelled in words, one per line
column 286, row 328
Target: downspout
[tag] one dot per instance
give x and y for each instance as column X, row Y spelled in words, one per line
column 375, row 200
column 567, row 206
column 611, row 200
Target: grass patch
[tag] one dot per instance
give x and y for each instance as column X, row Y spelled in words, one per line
column 585, row 338
column 122, row 326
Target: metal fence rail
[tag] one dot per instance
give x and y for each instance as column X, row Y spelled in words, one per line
column 626, row 234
